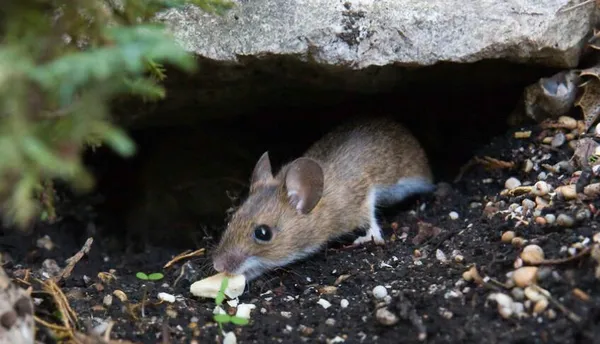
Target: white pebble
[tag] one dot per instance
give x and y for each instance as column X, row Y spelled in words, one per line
column 344, row 303
column 550, row 218
column 540, row 188
column 286, row 314
column 565, row 220
column 528, row 204
column 512, row 183
column 597, row 130
column 326, row 304
column 542, row 176
column 330, row 322
column 439, row 255
column 453, row 215
column 379, row 292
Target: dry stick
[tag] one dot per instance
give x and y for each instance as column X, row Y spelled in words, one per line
column 576, row 6
column 186, row 254
column 571, row 315
column 71, row 262
column 581, row 254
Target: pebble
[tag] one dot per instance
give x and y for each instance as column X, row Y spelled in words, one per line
column 505, row 304
column 517, row 293
column 440, row 255
column 533, row 294
column 565, row 220
column 567, row 122
column 540, row 220
column 540, row 188
column 453, row 215
column 385, row 317
column 326, row 304
column 518, row 241
column 528, row 166
column 567, row 191
column 583, row 214
column 286, row 314
column 525, row 276
column 550, row 218
column 107, row 300
column 528, row 204
column 512, row 183
column 330, row 322
column 542, row 176
column 344, row 303
column 244, row 309
column 379, row 292
column 597, row 130
column 558, row 140
column 508, row 236
column 532, row 254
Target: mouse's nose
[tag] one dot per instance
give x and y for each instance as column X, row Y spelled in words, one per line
column 219, row 264
column 228, row 262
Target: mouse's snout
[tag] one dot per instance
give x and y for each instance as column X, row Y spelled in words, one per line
column 229, row 262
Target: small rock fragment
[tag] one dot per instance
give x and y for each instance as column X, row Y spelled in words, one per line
column 558, row 140
column 508, row 236
column 567, row 191
column 512, row 183
column 453, row 215
column 243, row 310
column 326, row 304
column 518, row 242
column 379, row 292
column 565, row 220
column 541, row 188
column 166, row 297
column 229, row 338
column 385, row 317
column 567, row 122
column 344, row 303
column 550, row 218
column 532, row 254
column 540, row 306
column 525, row 276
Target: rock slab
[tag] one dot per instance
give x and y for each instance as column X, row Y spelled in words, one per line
column 362, row 33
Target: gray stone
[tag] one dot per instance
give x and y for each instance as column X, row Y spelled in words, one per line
column 361, row 33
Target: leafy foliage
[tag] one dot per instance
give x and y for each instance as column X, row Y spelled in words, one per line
column 222, row 319
column 151, row 277
column 61, row 63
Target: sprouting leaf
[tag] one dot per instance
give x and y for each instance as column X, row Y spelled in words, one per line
column 221, row 294
column 116, row 138
column 239, row 321
column 142, row 276
column 222, row 318
column 155, row 276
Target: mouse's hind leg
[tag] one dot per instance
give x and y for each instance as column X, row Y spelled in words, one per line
column 374, row 230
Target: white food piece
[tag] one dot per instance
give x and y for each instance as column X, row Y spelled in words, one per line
column 209, row 287
column 244, row 309
column 166, row 297
column 229, row 338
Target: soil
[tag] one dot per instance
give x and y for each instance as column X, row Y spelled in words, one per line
column 423, row 287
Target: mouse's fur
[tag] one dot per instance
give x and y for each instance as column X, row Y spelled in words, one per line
column 332, row 190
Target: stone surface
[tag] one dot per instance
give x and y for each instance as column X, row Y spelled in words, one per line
column 361, row 33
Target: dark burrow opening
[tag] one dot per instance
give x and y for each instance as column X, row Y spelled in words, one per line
column 195, row 156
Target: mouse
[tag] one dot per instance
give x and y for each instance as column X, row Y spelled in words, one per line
column 333, row 189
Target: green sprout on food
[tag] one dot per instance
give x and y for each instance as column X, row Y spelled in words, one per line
column 151, row 277
column 226, row 318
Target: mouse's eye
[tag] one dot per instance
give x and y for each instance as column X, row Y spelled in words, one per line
column 263, row 233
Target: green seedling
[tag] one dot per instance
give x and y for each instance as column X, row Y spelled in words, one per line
column 226, row 318
column 152, row 277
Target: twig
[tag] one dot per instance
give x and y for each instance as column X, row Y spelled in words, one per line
column 184, row 255
column 581, row 254
column 572, row 316
column 71, row 262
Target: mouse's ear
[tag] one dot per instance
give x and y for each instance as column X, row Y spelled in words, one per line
column 262, row 173
column 304, row 183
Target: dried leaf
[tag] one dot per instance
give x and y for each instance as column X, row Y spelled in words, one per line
column 584, row 148
column 590, row 100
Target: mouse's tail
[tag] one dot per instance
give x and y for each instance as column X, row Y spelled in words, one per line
column 405, row 188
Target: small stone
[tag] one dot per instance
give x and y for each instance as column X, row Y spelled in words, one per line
column 565, row 220
column 592, row 190
column 243, row 310
column 528, row 204
column 379, row 292
column 583, row 214
column 305, row 330
column 532, row 254
column 551, row 314
column 385, row 317
column 107, row 300
column 508, row 236
column 558, row 140
column 517, row 293
column 344, row 303
column 540, row 306
column 518, row 242
column 596, row 237
column 525, row 276
column 540, row 220
column 533, row 294
column 326, row 304
column 542, row 176
column 505, row 304
column 512, row 183
column 229, row 338
column 286, row 314
column 330, row 322
column 541, row 188
column 440, row 255
column 567, row 191
column 550, row 218
column 541, row 203
column 567, row 122
column 453, row 215
column 528, row 166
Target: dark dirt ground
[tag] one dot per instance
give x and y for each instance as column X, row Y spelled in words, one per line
column 452, row 310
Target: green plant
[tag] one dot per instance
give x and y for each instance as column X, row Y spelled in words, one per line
column 222, row 319
column 151, row 277
column 61, row 64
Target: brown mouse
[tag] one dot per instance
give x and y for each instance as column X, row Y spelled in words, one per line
column 331, row 190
